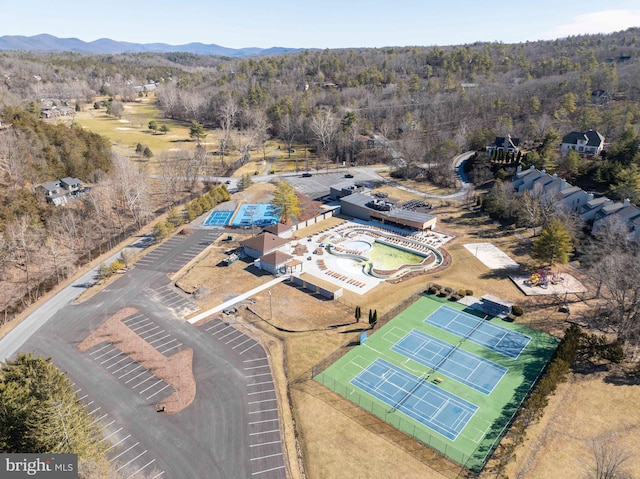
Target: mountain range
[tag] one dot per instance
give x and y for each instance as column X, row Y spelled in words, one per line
column 50, row 43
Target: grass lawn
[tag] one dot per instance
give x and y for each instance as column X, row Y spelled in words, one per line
column 475, row 440
column 133, row 128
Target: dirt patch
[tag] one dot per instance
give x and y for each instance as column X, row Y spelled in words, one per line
column 176, row 370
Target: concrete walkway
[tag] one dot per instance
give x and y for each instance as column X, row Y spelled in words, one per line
column 237, row 299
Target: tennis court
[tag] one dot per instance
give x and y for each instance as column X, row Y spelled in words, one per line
column 501, row 340
column 256, row 215
column 416, row 397
column 452, row 383
column 444, row 358
column 218, row 218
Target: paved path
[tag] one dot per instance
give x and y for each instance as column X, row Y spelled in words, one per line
column 237, row 299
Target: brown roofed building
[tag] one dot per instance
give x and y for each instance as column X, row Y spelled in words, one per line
column 262, row 244
column 279, row 262
column 279, row 229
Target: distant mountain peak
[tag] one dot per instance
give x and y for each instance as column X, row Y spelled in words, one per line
column 45, row 42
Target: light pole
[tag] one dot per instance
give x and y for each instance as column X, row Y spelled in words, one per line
column 270, row 307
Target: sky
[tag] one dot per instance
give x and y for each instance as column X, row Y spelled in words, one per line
column 317, row 24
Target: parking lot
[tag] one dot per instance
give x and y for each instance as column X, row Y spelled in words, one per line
column 169, row 296
column 319, row 184
column 267, row 461
column 170, row 256
column 153, row 334
column 130, row 373
column 126, row 453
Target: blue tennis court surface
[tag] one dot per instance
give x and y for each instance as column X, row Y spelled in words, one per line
column 467, row 368
column 417, row 398
column 501, row 340
column 256, row 215
column 218, row 218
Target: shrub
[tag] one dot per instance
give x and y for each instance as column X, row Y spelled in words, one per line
column 448, row 290
column 455, row 297
column 517, row 310
column 443, row 294
column 433, row 290
column 469, row 292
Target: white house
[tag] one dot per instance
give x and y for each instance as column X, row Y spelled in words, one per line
column 589, row 142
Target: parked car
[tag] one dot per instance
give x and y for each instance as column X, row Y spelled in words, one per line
column 348, row 175
column 307, row 175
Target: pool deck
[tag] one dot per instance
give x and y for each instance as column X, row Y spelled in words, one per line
column 343, row 271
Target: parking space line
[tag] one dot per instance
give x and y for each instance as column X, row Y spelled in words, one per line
column 264, row 457
column 154, row 334
column 264, row 443
column 165, row 351
column 221, row 330
column 114, row 432
column 258, row 375
column 144, row 467
column 164, row 344
column 263, row 400
column 80, row 399
column 118, row 362
column 159, row 339
column 144, row 381
column 133, row 370
column 112, row 357
column 105, row 346
column 98, row 419
column 264, row 420
column 261, row 392
column 240, row 335
column 252, row 346
column 157, row 392
column 86, row 406
column 121, row 368
column 233, row 331
column 259, row 384
column 215, row 325
column 143, row 326
column 95, row 410
column 104, row 354
column 267, row 470
column 138, row 456
column 155, row 326
column 263, row 432
column 157, row 475
column 125, row 451
column 139, row 318
column 240, row 344
column 253, row 360
column 129, row 380
column 263, row 410
column 256, row 367
column 158, row 381
column 120, row 441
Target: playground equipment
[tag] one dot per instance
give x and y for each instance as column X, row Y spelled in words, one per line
column 543, row 277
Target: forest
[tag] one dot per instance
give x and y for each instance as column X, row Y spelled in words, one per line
column 431, row 102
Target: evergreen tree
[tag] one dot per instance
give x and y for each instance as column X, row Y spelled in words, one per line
column 286, row 201
column 40, row 412
column 554, row 244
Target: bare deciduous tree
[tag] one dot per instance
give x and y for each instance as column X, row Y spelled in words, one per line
column 609, row 458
